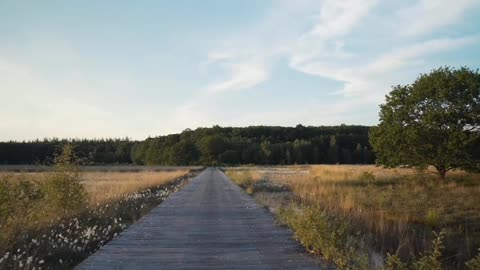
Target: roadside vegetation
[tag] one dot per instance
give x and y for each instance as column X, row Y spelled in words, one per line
column 420, row 211
column 365, row 217
column 354, row 216
column 55, row 219
column 103, row 186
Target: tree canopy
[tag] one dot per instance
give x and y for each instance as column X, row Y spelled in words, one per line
column 258, row 145
column 204, row 146
column 435, row 121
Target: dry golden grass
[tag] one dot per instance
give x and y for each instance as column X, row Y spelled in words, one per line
column 385, row 202
column 46, row 214
column 364, row 189
column 103, row 186
column 379, row 196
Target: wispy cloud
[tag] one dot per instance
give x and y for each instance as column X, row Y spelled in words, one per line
column 427, row 16
column 240, row 75
column 338, row 18
column 416, row 53
column 320, row 49
column 376, row 76
column 298, row 33
column 350, row 52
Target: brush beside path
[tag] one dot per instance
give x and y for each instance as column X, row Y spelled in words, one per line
column 209, row 224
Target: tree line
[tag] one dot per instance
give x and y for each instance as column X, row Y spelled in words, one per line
column 263, row 145
column 88, row 151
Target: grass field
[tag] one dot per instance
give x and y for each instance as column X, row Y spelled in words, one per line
column 102, row 168
column 379, row 211
column 102, row 186
column 55, row 218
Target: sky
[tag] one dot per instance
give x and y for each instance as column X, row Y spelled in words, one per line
column 97, row 69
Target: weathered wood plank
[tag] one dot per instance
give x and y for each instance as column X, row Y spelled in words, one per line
column 209, row 224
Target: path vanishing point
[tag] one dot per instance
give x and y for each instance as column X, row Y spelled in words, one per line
column 209, row 224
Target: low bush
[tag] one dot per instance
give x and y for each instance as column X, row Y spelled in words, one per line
column 389, row 210
column 397, row 209
column 331, row 237
column 25, row 203
column 65, row 241
column 474, row 264
column 48, row 222
column 267, row 186
column 427, row 261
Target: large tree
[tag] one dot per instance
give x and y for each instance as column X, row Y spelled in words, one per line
column 435, row 121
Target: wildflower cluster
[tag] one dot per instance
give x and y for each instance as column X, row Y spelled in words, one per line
column 67, row 240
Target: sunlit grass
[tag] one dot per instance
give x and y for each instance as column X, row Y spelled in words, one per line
column 104, row 186
column 108, row 185
column 399, row 209
column 35, row 233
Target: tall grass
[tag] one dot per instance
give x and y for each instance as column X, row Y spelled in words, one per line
column 101, row 187
column 397, row 211
column 56, row 218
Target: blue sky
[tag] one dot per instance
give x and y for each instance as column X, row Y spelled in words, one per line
column 145, row 68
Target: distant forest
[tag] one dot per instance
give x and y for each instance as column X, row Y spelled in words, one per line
column 263, row 145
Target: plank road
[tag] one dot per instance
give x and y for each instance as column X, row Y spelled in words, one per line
column 209, row 224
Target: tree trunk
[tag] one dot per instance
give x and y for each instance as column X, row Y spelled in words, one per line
column 442, row 171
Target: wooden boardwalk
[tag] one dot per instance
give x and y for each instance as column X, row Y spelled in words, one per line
column 209, row 224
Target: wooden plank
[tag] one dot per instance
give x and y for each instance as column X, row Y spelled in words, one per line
column 209, row 224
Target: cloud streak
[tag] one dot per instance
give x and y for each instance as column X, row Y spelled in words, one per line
column 320, row 48
column 241, row 75
column 300, row 61
column 320, row 38
column 427, row 16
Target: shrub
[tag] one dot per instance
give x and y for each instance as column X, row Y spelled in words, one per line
column 393, row 262
column 62, row 188
column 63, row 191
column 20, row 209
column 68, row 239
column 241, row 178
column 474, row 263
column 431, row 261
column 326, row 235
column 19, row 201
column 46, row 226
column 267, row 186
column 428, row 261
